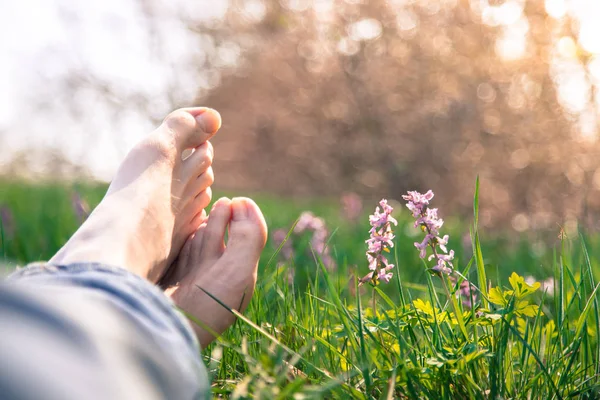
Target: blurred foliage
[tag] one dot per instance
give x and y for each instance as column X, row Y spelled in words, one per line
column 380, row 97
column 321, row 97
column 37, row 219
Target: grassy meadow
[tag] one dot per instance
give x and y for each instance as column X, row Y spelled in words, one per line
column 528, row 330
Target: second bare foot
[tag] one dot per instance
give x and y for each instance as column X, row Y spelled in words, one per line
column 227, row 272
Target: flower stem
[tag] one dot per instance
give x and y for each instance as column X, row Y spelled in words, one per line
column 374, row 304
column 457, row 311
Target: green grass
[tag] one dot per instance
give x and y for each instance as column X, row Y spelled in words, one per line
column 313, row 336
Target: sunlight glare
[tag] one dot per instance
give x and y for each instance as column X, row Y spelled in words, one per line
column 512, row 44
column 573, row 87
column 507, row 13
column 365, row 29
column 566, row 47
column 594, row 69
column 254, row 10
column 557, row 9
column 589, row 35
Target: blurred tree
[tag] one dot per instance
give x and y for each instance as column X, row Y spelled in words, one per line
column 383, row 96
column 321, row 97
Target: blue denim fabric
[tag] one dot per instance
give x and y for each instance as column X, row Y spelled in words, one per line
column 91, row 331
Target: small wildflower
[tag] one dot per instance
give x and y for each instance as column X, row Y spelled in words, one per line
column 546, row 285
column 379, row 242
column 384, row 275
column 304, row 222
column 466, row 292
column 351, row 206
column 427, row 218
column 530, row 280
column 423, row 245
column 286, row 252
column 318, row 242
column 7, row 221
column 443, row 261
column 417, row 201
column 80, row 206
column 279, row 236
column 442, row 242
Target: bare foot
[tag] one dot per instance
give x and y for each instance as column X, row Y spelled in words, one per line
column 226, row 272
column 155, row 201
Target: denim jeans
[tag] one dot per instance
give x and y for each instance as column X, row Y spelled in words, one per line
column 91, row 331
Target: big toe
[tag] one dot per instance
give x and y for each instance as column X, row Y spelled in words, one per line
column 247, row 231
column 192, row 126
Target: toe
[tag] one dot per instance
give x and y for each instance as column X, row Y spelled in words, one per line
column 247, row 231
column 202, row 182
column 185, row 261
column 218, row 219
column 199, row 202
column 177, row 271
column 198, row 220
column 192, row 126
column 199, row 160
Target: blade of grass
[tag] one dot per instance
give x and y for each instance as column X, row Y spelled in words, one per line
column 477, row 253
column 536, row 357
column 590, row 275
column 363, row 347
column 283, row 346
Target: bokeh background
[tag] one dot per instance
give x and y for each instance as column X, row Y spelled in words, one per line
column 321, row 98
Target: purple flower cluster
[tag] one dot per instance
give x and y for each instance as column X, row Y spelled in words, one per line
column 427, row 218
column 351, row 206
column 466, row 292
column 318, row 242
column 7, row 220
column 287, row 251
column 307, row 222
column 546, row 285
column 80, row 206
column 380, row 242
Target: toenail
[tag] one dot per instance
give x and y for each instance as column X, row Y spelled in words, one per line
column 209, row 121
column 220, row 203
column 240, row 209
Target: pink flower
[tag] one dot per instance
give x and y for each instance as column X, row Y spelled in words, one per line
column 430, row 220
column 384, row 275
column 279, row 236
column 351, row 206
column 380, row 241
column 80, row 206
column 423, row 245
column 548, row 286
column 446, row 258
column 417, row 201
column 368, row 277
column 7, row 221
column 378, row 219
column 442, row 242
column 442, row 262
column 467, row 293
column 545, row 285
column 427, row 218
column 318, row 242
column 304, row 222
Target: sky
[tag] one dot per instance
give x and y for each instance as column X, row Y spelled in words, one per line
column 45, row 43
column 42, row 44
